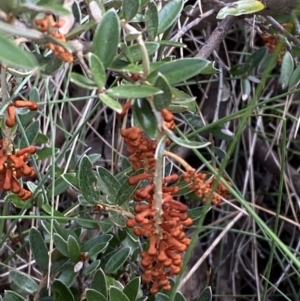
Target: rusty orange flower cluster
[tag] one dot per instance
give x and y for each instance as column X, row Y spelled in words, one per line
column 167, row 239
column 11, row 110
column 47, row 24
column 13, row 167
column 203, row 187
column 164, row 256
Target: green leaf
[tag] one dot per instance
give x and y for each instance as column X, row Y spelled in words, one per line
column 130, row 8
column 49, row 64
column 144, row 117
column 180, row 70
column 161, row 297
column 71, row 179
column 179, row 297
column 116, row 261
column 241, row 69
column 60, row 186
column 49, row 8
column 73, row 249
column 105, row 238
column 151, row 19
column 39, row 249
column 295, row 78
column 87, row 222
column 239, row 8
column 120, row 65
column 12, row 296
column 125, row 193
column 87, row 180
column 245, row 87
column 287, row 68
column 258, row 55
column 196, row 213
column 93, row 295
column 110, row 102
column 31, row 133
column 186, row 143
column 99, row 283
column 91, row 268
column 95, row 250
column 267, row 64
column 61, row 244
column 63, row 232
column 97, row 69
column 135, row 51
column 107, row 183
column 162, row 101
column 23, row 281
column 68, row 274
column 82, row 81
column 41, row 138
column 49, row 210
column 132, row 288
column 117, row 295
column 168, row 15
column 117, row 218
column 13, row 55
column 45, row 153
column 222, row 133
column 205, row 295
column 61, row 292
column 107, row 36
column 133, row 91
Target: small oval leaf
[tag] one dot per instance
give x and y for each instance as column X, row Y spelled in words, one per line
column 12, row 296
column 110, row 102
column 107, row 36
column 133, row 91
column 23, row 281
column 151, row 19
column 99, row 283
column 179, row 70
column 132, row 288
column 287, row 68
column 186, row 143
column 73, row 249
column 239, row 8
column 117, row 295
column 295, row 78
column 61, row 291
column 87, row 180
column 38, row 248
column 93, row 295
column 205, row 295
column 97, row 69
column 144, row 117
column 162, row 101
column 14, row 56
column 168, row 15
column 117, row 260
column 130, row 8
column 82, row 81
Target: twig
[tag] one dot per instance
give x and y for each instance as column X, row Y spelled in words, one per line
column 180, row 160
column 280, row 28
column 190, row 25
column 210, row 249
column 216, row 37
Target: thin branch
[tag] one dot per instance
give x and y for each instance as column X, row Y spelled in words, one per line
column 216, row 37
column 281, row 29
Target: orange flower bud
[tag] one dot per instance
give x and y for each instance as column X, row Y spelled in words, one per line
column 8, row 180
column 132, row 180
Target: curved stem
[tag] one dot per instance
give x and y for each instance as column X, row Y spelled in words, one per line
column 181, row 161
